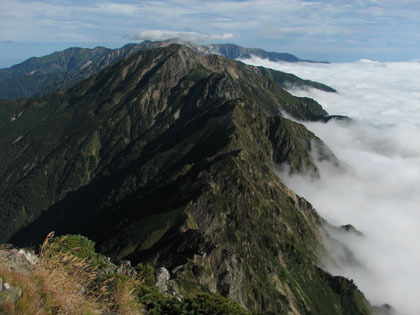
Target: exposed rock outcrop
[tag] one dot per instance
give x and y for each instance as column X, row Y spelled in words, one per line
column 17, row 259
column 162, row 278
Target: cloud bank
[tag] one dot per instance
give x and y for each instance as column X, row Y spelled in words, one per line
column 311, row 29
column 188, row 36
column 378, row 190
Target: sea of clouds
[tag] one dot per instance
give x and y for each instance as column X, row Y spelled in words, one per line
column 378, row 191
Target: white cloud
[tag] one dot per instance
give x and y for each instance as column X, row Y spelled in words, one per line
column 313, row 30
column 118, row 8
column 397, row 98
column 290, row 25
column 189, row 36
column 378, row 190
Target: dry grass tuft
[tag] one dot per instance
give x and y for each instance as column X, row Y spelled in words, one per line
column 62, row 283
column 124, row 299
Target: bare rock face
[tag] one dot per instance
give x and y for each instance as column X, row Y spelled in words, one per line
column 162, row 278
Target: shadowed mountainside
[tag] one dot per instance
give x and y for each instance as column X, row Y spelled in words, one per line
column 167, row 157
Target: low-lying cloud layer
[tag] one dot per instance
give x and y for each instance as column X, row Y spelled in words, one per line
column 378, row 192
column 189, row 36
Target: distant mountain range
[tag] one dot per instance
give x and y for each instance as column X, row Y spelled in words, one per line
column 37, row 76
column 167, row 157
column 237, row 52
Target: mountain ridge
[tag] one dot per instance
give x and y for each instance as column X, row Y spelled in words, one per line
column 167, row 157
column 62, row 69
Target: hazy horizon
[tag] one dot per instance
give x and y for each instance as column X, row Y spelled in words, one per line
column 333, row 30
column 14, row 53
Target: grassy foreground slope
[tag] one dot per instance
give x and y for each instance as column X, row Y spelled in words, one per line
column 71, row 278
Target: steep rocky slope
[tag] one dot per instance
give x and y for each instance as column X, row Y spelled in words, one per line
column 38, row 76
column 167, row 158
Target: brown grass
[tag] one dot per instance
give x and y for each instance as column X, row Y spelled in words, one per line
column 126, row 300
column 62, row 283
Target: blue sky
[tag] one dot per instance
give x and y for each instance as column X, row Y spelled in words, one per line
column 336, row 30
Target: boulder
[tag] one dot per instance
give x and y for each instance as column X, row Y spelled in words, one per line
column 8, row 294
column 126, row 268
column 162, row 278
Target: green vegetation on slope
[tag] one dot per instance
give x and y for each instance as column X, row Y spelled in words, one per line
column 167, row 158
